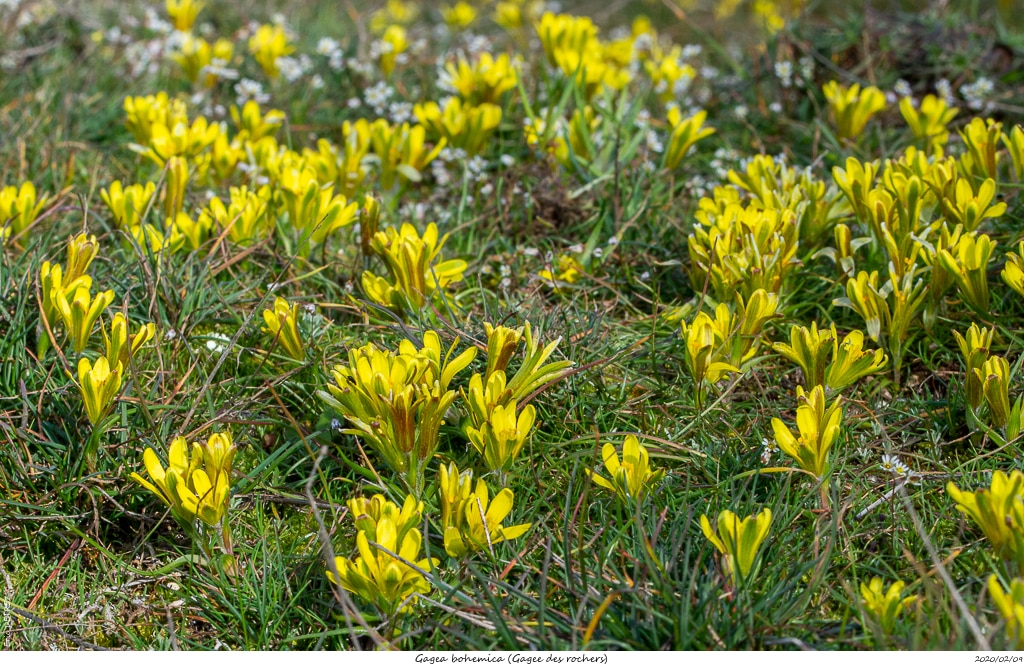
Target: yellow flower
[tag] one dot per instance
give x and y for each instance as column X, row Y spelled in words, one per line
column 412, row 262
column 254, row 124
column 475, row 520
column 705, row 339
column 195, row 56
column 969, row 268
column 685, row 134
column 458, row 16
column 401, row 151
column 367, row 513
column 928, row 121
column 397, row 401
column 100, row 384
column 52, row 282
column 1013, row 272
column 269, row 43
column 849, row 362
column 999, row 512
column 738, row 540
column 381, row 578
column 183, row 13
column 117, row 344
column 81, row 312
column 19, row 208
column 501, row 345
column 395, row 42
column 128, row 204
column 974, row 348
column 632, row 478
column 484, row 80
column 461, row 125
column 968, row 208
column 981, row 136
column 1011, row 607
column 282, row 325
column 819, row 426
column 851, row 108
column 82, row 250
column 501, row 438
column 196, row 486
column 245, row 215
column 884, row 607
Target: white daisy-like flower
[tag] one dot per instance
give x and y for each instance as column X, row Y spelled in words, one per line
column 889, row 463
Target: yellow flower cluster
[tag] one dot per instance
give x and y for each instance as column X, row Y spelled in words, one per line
column 67, row 299
column 388, row 570
column 194, row 486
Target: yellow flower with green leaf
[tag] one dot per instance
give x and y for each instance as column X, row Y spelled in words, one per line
column 975, row 349
column 827, row 362
column 128, row 203
column 852, row 107
column 502, row 437
column 283, row 326
column 368, row 513
column 462, row 125
column 397, row 401
column 1010, row 604
column 418, row 272
column 1013, row 271
column 818, row 425
column 471, row 520
column 193, row 486
column 267, row 44
column 80, row 311
column 928, row 121
column 684, row 135
column 999, row 512
column 632, row 477
column 19, row 208
column 388, row 574
column 884, row 605
column 122, row 346
column 981, row 137
column 738, row 540
column 100, row 384
column 458, row 16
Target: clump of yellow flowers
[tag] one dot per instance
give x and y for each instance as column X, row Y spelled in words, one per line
column 397, row 401
column 388, row 570
column 418, row 273
column 496, row 426
column 196, row 484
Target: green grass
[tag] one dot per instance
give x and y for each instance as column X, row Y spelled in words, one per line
column 92, row 559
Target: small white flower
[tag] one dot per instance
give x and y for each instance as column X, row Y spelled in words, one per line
column 576, row 249
column 327, row 46
column 902, row 88
column 889, row 463
column 613, row 241
column 741, row 111
column 775, row 107
column 508, row 160
column 531, row 252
